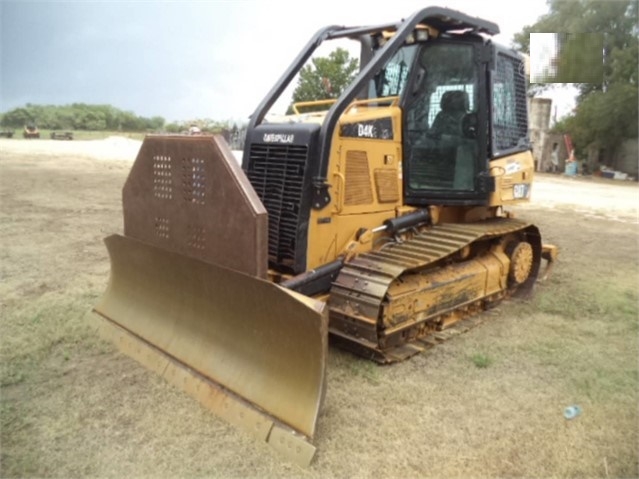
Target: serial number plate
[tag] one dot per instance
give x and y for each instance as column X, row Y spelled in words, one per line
column 520, row 190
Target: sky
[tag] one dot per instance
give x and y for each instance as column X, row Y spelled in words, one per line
column 185, row 60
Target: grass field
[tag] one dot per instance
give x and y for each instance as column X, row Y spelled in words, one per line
column 488, row 403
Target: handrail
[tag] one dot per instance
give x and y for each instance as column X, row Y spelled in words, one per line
column 342, row 191
column 390, row 100
column 303, row 104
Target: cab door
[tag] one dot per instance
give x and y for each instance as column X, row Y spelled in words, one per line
column 445, row 125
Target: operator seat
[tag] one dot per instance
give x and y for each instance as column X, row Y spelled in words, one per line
column 457, row 152
column 454, row 106
column 448, row 161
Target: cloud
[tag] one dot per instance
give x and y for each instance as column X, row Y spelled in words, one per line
column 182, row 59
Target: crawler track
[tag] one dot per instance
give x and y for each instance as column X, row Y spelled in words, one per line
column 392, row 303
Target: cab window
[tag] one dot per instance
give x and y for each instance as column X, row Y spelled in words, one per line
column 441, row 119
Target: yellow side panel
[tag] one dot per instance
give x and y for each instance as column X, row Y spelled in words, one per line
column 365, row 175
column 328, row 240
column 513, row 179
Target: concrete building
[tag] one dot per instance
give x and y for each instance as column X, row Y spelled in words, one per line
column 539, row 110
column 624, row 159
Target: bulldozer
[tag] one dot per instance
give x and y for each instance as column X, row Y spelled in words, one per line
column 376, row 220
column 31, row 131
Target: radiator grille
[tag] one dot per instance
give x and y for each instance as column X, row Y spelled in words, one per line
column 277, row 175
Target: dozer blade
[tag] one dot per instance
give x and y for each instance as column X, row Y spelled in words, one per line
column 237, row 343
column 188, row 295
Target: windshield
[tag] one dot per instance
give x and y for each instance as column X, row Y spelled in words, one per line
column 391, row 80
column 441, row 119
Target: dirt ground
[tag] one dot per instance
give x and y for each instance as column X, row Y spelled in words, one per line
column 488, row 403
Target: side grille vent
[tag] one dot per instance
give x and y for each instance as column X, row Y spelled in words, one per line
column 277, row 174
column 358, row 181
column 387, row 185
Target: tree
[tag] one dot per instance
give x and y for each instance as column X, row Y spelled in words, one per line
column 615, row 20
column 580, row 58
column 155, row 123
column 79, row 116
column 17, row 118
column 325, row 77
column 604, row 119
column 606, row 112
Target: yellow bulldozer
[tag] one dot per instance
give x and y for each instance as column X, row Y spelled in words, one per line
column 378, row 222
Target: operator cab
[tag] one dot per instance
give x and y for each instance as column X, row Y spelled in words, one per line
column 462, row 101
column 448, row 140
column 433, row 88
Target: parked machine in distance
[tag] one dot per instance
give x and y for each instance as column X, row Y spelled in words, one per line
column 31, row 131
column 379, row 222
column 61, row 135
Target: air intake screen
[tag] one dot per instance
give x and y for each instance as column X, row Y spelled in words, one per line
column 277, row 175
